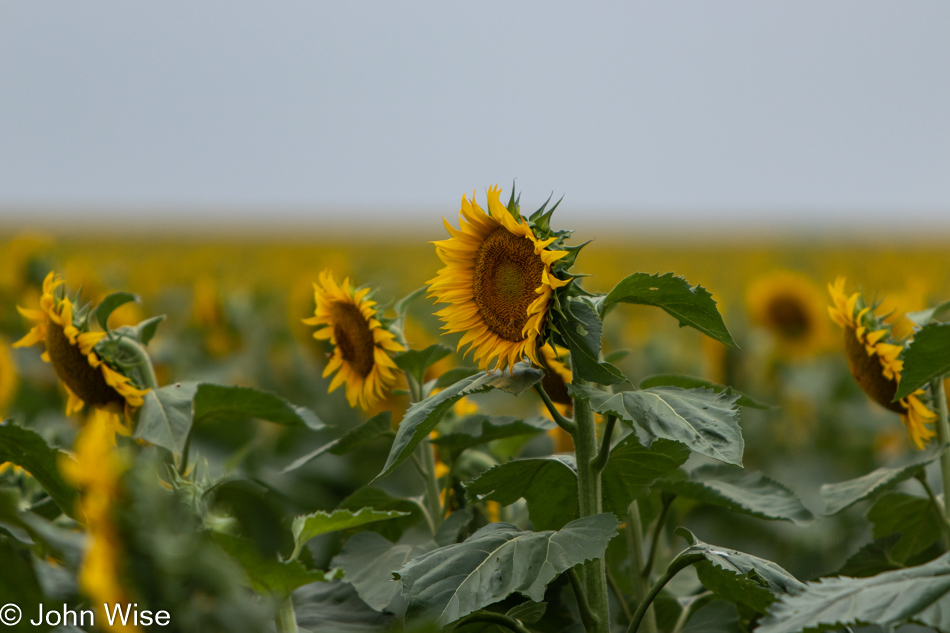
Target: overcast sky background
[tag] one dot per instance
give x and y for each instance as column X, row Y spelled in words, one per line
column 787, row 111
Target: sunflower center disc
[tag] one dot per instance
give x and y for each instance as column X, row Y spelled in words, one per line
column 73, row 368
column 507, row 272
column 789, row 316
column 353, row 337
column 868, row 373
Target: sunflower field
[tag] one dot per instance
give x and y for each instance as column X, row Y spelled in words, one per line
column 514, row 427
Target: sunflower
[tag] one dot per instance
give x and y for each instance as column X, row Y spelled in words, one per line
column 789, row 305
column 71, row 349
column 498, row 280
column 874, row 363
column 97, row 473
column 8, row 377
column 361, row 345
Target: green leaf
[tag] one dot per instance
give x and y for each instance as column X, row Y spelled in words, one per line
column 840, row 496
column 497, row 561
column 736, row 576
column 453, row 527
column 268, row 575
column 927, row 357
column 688, row 382
column 415, row 362
column 422, row 417
column 313, row 525
column 335, row 607
column 528, row 612
column 547, row 484
column 914, row 518
column 246, row 402
column 368, row 561
column 108, row 305
column 144, row 331
column 890, row 599
column 706, row 422
column 740, row 491
column 165, row 418
column 453, row 375
column 714, row 617
column 379, row 424
column 871, row 559
column 479, row 429
column 923, row 317
column 25, row 448
column 368, row 497
column 580, row 328
column 402, row 305
column 690, row 306
column 632, row 470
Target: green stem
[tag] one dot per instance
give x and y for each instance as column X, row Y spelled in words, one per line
column 943, row 436
column 637, row 564
column 285, row 618
column 674, row 568
column 604, row 453
column 494, row 618
column 568, row 425
column 140, row 360
column 588, row 617
column 590, row 504
column 426, row 458
column 657, row 531
column 937, row 506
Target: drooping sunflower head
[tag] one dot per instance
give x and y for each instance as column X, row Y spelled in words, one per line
column 501, row 272
column 90, row 374
column 361, row 344
column 874, row 360
column 790, row 306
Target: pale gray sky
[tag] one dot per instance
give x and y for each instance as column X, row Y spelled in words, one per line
column 783, row 109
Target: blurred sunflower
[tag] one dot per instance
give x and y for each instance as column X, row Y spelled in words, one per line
column 499, row 281
column 70, row 349
column 8, row 377
column 557, row 377
column 791, row 307
column 97, row 473
column 874, row 363
column 361, row 345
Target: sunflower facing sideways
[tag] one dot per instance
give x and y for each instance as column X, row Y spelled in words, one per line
column 88, row 376
column 499, row 278
column 361, row 345
column 873, row 359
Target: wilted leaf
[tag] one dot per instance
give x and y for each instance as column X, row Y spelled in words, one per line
column 165, row 418
column 496, row 561
column 422, row 417
column 736, row 576
column 580, row 328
